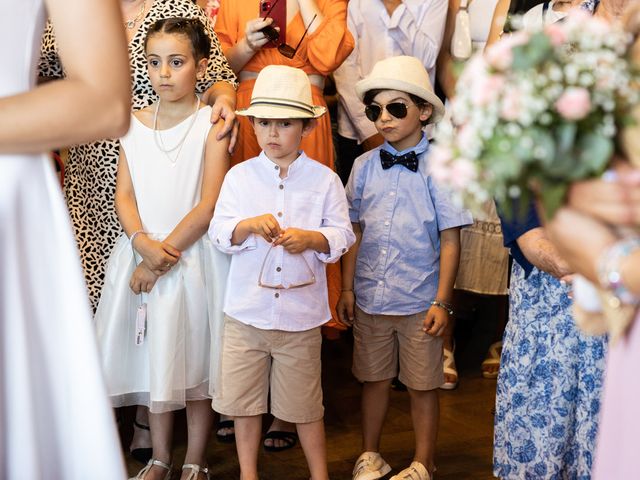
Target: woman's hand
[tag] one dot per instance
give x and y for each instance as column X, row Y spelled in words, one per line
column 224, row 108
column 580, row 239
column 613, row 199
column 253, row 37
column 157, row 256
column 142, row 279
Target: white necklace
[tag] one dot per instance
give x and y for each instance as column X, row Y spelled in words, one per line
column 130, row 24
column 157, row 136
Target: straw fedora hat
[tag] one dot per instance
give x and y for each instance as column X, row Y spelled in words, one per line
column 405, row 74
column 282, row 92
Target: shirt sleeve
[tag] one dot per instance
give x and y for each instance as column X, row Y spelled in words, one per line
column 448, row 215
column 226, row 217
column 331, row 42
column 227, row 28
column 336, row 226
column 355, row 186
column 348, row 74
column 417, row 27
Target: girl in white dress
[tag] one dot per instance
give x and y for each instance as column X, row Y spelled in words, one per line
column 162, row 299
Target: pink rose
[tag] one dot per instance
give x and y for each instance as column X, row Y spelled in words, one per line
column 574, row 103
column 486, row 89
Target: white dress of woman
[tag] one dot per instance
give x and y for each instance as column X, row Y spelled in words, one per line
column 55, row 420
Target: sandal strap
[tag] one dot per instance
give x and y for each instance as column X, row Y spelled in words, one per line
column 158, row 463
column 195, row 470
column 141, row 425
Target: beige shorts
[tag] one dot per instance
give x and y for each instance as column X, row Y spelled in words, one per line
column 380, row 341
column 257, row 362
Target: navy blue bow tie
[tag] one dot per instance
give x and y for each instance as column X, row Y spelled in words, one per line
column 409, row 160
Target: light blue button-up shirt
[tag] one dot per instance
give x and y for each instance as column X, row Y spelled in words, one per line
column 401, row 214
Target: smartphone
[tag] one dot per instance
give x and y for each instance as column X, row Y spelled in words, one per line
column 276, row 9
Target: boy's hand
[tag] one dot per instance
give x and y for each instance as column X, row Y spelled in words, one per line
column 142, row 279
column 159, row 257
column 295, row 240
column 264, row 225
column 435, row 321
column 345, row 307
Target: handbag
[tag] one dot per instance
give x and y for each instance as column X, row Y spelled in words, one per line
column 461, row 47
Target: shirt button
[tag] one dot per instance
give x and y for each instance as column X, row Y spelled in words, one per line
column 278, row 269
column 384, row 252
column 386, row 224
column 392, row 193
column 277, row 295
column 277, row 167
column 281, row 187
column 344, row 250
column 380, row 283
column 279, row 214
column 217, row 240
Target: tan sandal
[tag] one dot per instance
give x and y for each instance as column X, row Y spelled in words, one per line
column 195, row 471
column 449, row 368
column 142, row 474
column 493, row 359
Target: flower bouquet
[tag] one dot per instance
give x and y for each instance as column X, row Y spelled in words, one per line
column 540, row 109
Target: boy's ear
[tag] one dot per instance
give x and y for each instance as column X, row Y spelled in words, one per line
column 426, row 110
column 201, row 67
column 309, row 126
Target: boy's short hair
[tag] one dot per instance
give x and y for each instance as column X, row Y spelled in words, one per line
column 371, row 94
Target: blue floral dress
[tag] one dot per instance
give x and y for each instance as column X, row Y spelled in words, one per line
column 549, row 387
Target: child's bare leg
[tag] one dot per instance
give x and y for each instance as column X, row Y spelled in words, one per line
column 314, row 446
column 161, row 436
column 425, row 412
column 375, row 402
column 248, row 431
column 199, row 424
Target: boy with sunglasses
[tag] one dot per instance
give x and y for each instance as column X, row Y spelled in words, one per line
column 398, row 278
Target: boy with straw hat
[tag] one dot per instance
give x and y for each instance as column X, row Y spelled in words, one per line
column 398, row 279
column 282, row 216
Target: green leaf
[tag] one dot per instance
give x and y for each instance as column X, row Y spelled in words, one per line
column 552, row 197
column 593, row 152
column 533, row 53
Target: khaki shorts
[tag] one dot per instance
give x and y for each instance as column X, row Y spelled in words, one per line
column 255, row 362
column 380, row 341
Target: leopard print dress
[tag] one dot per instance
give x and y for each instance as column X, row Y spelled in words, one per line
column 90, row 176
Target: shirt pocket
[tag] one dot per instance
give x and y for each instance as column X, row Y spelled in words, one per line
column 305, row 210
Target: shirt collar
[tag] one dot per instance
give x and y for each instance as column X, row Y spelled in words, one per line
column 295, row 165
column 420, row 148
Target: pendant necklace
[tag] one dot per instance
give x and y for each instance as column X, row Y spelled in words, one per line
column 157, row 136
column 131, row 24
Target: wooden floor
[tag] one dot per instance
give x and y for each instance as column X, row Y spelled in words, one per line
column 464, row 443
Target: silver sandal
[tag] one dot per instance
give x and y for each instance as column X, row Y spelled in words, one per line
column 195, row 471
column 142, row 474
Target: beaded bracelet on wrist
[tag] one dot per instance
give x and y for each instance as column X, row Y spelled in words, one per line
column 443, row 305
column 609, row 271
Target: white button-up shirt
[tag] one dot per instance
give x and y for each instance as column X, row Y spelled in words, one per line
column 415, row 28
column 310, row 197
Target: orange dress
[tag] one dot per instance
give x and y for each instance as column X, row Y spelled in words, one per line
column 319, row 53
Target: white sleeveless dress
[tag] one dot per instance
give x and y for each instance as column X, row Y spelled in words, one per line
column 177, row 361
column 55, row 418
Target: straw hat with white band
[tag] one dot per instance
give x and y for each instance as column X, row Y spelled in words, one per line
column 282, row 92
column 405, row 74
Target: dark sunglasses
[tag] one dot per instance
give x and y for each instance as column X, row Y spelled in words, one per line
column 274, row 36
column 395, row 109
